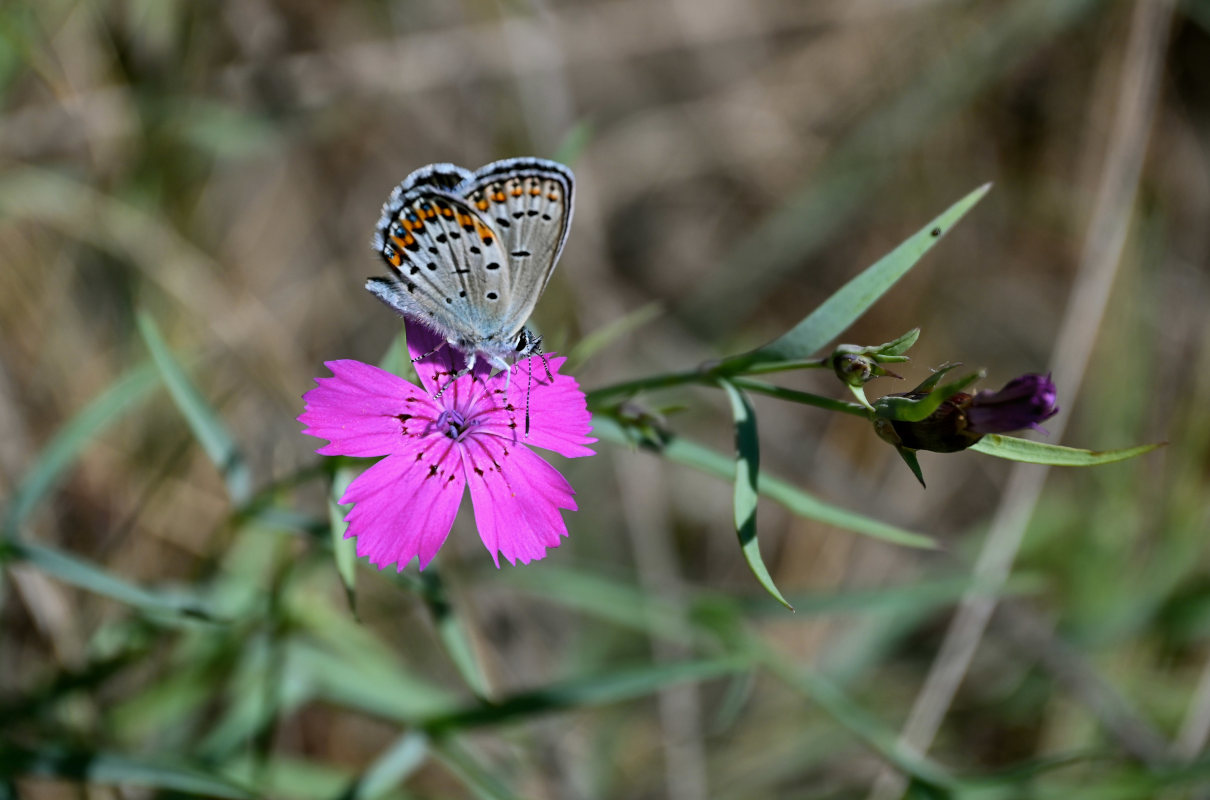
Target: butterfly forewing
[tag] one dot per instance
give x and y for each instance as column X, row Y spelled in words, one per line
column 529, row 203
column 448, row 264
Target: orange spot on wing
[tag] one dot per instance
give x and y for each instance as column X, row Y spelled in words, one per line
column 482, row 205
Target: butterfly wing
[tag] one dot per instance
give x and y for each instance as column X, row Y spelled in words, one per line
column 446, row 262
column 529, row 202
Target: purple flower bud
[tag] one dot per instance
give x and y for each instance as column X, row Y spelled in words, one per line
column 964, row 419
column 1022, row 403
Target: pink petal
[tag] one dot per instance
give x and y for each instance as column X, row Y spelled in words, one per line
column 404, row 506
column 517, row 497
column 558, row 413
column 435, row 370
column 365, row 411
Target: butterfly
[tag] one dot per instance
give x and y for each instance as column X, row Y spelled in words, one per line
column 470, row 253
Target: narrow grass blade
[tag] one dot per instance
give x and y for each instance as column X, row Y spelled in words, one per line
column 210, row 431
column 65, row 447
column 596, row 341
column 452, row 630
column 595, row 690
column 575, row 142
column 90, row 577
column 852, row 300
column 344, row 551
column 747, row 471
column 1015, row 449
column 684, row 451
column 619, row 602
column 112, row 769
column 405, row 755
column 482, row 780
column 861, row 723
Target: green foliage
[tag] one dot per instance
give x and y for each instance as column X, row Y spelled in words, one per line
column 747, row 470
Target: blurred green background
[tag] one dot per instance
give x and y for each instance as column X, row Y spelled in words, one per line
column 168, row 628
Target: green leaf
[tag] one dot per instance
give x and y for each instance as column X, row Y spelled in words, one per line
column 575, row 142
column 866, row 726
column 1015, row 449
column 595, row 594
column 397, row 360
column 852, row 300
column 65, row 447
column 452, row 630
column 405, row 755
column 112, row 769
column 596, row 690
column 747, row 471
column 484, row 781
column 214, row 437
column 684, row 451
column 90, row 577
column 344, row 551
column 596, row 341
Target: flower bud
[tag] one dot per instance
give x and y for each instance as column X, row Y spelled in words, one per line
column 963, row 419
column 853, row 369
column 1022, row 403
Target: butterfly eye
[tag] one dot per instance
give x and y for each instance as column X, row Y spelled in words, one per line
column 522, row 341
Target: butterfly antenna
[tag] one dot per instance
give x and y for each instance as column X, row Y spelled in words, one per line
column 545, row 366
column 528, row 389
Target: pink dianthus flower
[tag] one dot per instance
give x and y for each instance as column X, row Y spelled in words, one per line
column 404, row 506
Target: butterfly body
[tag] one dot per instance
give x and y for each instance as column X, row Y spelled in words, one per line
column 470, row 253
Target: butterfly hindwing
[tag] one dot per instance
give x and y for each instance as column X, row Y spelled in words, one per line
column 529, row 202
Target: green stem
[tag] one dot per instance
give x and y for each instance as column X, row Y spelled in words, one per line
column 707, row 376
column 786, row 366
column 597, row 396
column 802, row 398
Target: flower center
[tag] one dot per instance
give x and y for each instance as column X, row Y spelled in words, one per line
column 451, row 423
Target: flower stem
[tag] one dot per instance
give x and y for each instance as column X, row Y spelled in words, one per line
column 597, row 396
column 707, row 374
column 786, row 366
column 803, row 398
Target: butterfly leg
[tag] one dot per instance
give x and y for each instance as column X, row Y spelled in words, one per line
column 436, row 349
column 467, row 370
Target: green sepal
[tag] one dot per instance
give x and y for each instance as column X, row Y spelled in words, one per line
column 859, row 393
column 897, row 347
column 912, row 408
column 909, row 457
